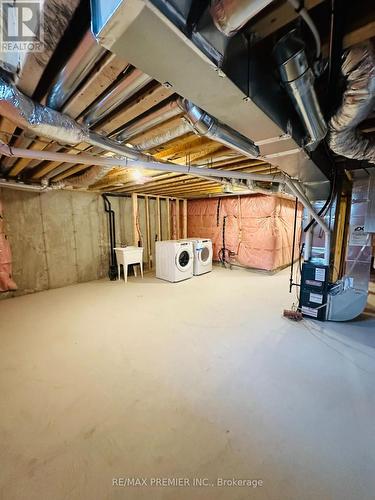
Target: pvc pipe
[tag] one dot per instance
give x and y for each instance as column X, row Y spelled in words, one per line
column 86, row 159
column 306, row 203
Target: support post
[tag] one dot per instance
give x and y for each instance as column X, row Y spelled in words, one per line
column 158, row 218
column 185, row 219
column 168, row 218
column 148, row 232
column 134, row 219
column 177, row 219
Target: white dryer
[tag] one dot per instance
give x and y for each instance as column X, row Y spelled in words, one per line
column 202, row 255
column 174, row 260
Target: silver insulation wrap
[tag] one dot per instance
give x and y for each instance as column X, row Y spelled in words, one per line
column 36, row 118
column 357, row 103
column 91, row 176
column 153, row 142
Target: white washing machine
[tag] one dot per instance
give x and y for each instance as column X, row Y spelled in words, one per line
column 202, row 255
column 174, row 260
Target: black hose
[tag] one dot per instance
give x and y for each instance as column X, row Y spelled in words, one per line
column 112, row 272
column 223, row 249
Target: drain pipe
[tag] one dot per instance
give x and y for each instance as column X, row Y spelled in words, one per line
column 295, row 189
column 21, row 186
column 112, row 271
column 142, row 161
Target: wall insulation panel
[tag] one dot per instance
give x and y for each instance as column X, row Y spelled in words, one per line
column 257, row 229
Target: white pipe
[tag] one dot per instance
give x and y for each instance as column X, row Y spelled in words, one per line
column 296, row 4
column 23, row 187
column 86, row 159
column 306, row 203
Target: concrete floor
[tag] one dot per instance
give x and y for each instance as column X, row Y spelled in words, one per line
column 202, row 378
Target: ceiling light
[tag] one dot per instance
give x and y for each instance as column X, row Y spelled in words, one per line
column 138, row 177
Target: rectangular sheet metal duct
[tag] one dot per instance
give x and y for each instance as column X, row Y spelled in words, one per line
column 142, row 34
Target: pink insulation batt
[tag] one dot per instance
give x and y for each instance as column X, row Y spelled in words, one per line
column 258, row 228
column 6, row 281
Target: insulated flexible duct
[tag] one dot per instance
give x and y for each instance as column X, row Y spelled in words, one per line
column 40, row 120
column 358, row 101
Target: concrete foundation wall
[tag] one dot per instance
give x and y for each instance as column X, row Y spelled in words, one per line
column 59, row 238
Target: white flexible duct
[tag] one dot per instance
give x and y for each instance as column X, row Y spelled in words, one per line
column 300, row 9
column 182, row 129
column 357, row 103
column 230, row 16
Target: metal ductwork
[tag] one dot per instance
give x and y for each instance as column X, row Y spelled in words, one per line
column 151, row 120
column 46, row 122
column 75, row 71
column 357, row 103
column 38, row 119
column 132, row 82
column 208, row 126
column 230, row 16
column 222, row 92
column 298, row 79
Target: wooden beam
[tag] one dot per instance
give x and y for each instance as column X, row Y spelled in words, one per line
column 355, row 36
column 194, row 146
column 148, row 233
column 177, row 219
column 185, row 219
column 279, row 17
column 23, row 162
column 135, row 219
column 104, row 76
column 146, row 101
column 358, row 35
column 168, row 219
column 158, row 218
